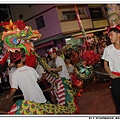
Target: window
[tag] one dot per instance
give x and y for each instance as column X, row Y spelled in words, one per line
column 40, row 22
column 96, row 13
column 81, row 11
column 69, row 15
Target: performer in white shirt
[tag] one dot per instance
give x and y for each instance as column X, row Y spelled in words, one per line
column 111, row 57
column 25, row 78
column 60, row 65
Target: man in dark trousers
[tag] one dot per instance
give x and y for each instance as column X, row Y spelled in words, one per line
column 111, row 57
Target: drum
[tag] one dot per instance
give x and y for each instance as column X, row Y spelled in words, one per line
column 84, row 73
column 5, row 105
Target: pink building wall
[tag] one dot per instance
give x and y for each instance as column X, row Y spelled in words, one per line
column 52, row 23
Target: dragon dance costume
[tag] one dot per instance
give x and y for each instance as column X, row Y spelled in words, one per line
column 14, row 38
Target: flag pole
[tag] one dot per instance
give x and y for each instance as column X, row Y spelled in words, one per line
column 79, row 22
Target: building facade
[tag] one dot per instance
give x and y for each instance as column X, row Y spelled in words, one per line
column 58, row 23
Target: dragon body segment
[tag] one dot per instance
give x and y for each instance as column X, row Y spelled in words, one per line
column 16, row 37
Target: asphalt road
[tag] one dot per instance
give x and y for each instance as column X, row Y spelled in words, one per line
column 97, row 99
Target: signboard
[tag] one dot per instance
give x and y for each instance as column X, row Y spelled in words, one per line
column 44, row 45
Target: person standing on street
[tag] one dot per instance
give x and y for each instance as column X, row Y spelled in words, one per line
column 111, row 57
column 44, row 85
column 65, row 85
column 61, row 68
column 25, row 78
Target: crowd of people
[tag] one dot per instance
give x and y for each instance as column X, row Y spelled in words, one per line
column 22, row 75
column 60, row 61
column 26, row 74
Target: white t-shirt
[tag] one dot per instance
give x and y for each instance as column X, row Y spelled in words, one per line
column 60, row 62
column 112, row 55
column 10, row 73
column 26, row 78
column 39, row 70
column 70, row 69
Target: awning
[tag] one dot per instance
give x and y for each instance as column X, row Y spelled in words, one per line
column 82, row 36
column 90, row 31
